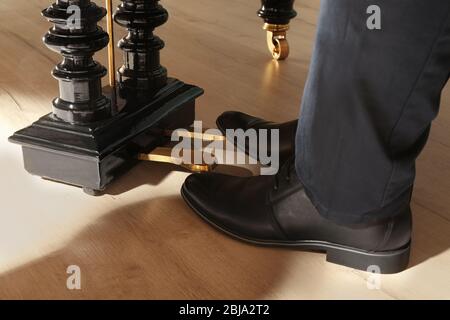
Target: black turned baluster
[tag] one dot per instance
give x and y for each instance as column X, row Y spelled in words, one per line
column 82, row 142
column 277, row 11
column 81, row 100
column 141, row 76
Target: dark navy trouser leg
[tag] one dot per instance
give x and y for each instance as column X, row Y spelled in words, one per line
column 368, row 105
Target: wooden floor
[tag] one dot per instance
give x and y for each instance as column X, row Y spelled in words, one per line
column 141, row 240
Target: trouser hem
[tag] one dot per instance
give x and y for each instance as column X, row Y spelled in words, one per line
column 372, row 217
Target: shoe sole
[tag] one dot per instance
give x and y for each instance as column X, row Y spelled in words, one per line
column 383, row 262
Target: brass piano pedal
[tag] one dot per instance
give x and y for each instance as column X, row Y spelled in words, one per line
column 200, row 143
column 203, row 136
column 165, row 154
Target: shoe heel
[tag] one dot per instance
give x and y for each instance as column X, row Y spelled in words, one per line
column 384, row 262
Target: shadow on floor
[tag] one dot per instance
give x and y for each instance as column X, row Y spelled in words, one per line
column 144, row 173
column 159, row 249
column 431, row 235
column 152, row 173
column 151, row 249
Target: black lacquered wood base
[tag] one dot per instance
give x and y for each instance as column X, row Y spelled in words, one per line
column 93, row 155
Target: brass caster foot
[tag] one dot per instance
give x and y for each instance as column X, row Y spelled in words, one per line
column 277, row 40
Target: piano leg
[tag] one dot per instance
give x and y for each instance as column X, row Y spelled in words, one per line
column 276, row 15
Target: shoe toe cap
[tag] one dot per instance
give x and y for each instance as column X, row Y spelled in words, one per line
column 206, row 194
column 232, row 120
column 234, row 205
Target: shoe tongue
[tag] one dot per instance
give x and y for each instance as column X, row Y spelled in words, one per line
column 285, row 187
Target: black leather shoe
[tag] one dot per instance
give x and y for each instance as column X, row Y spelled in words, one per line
column 238, row 120
column 275, row 211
